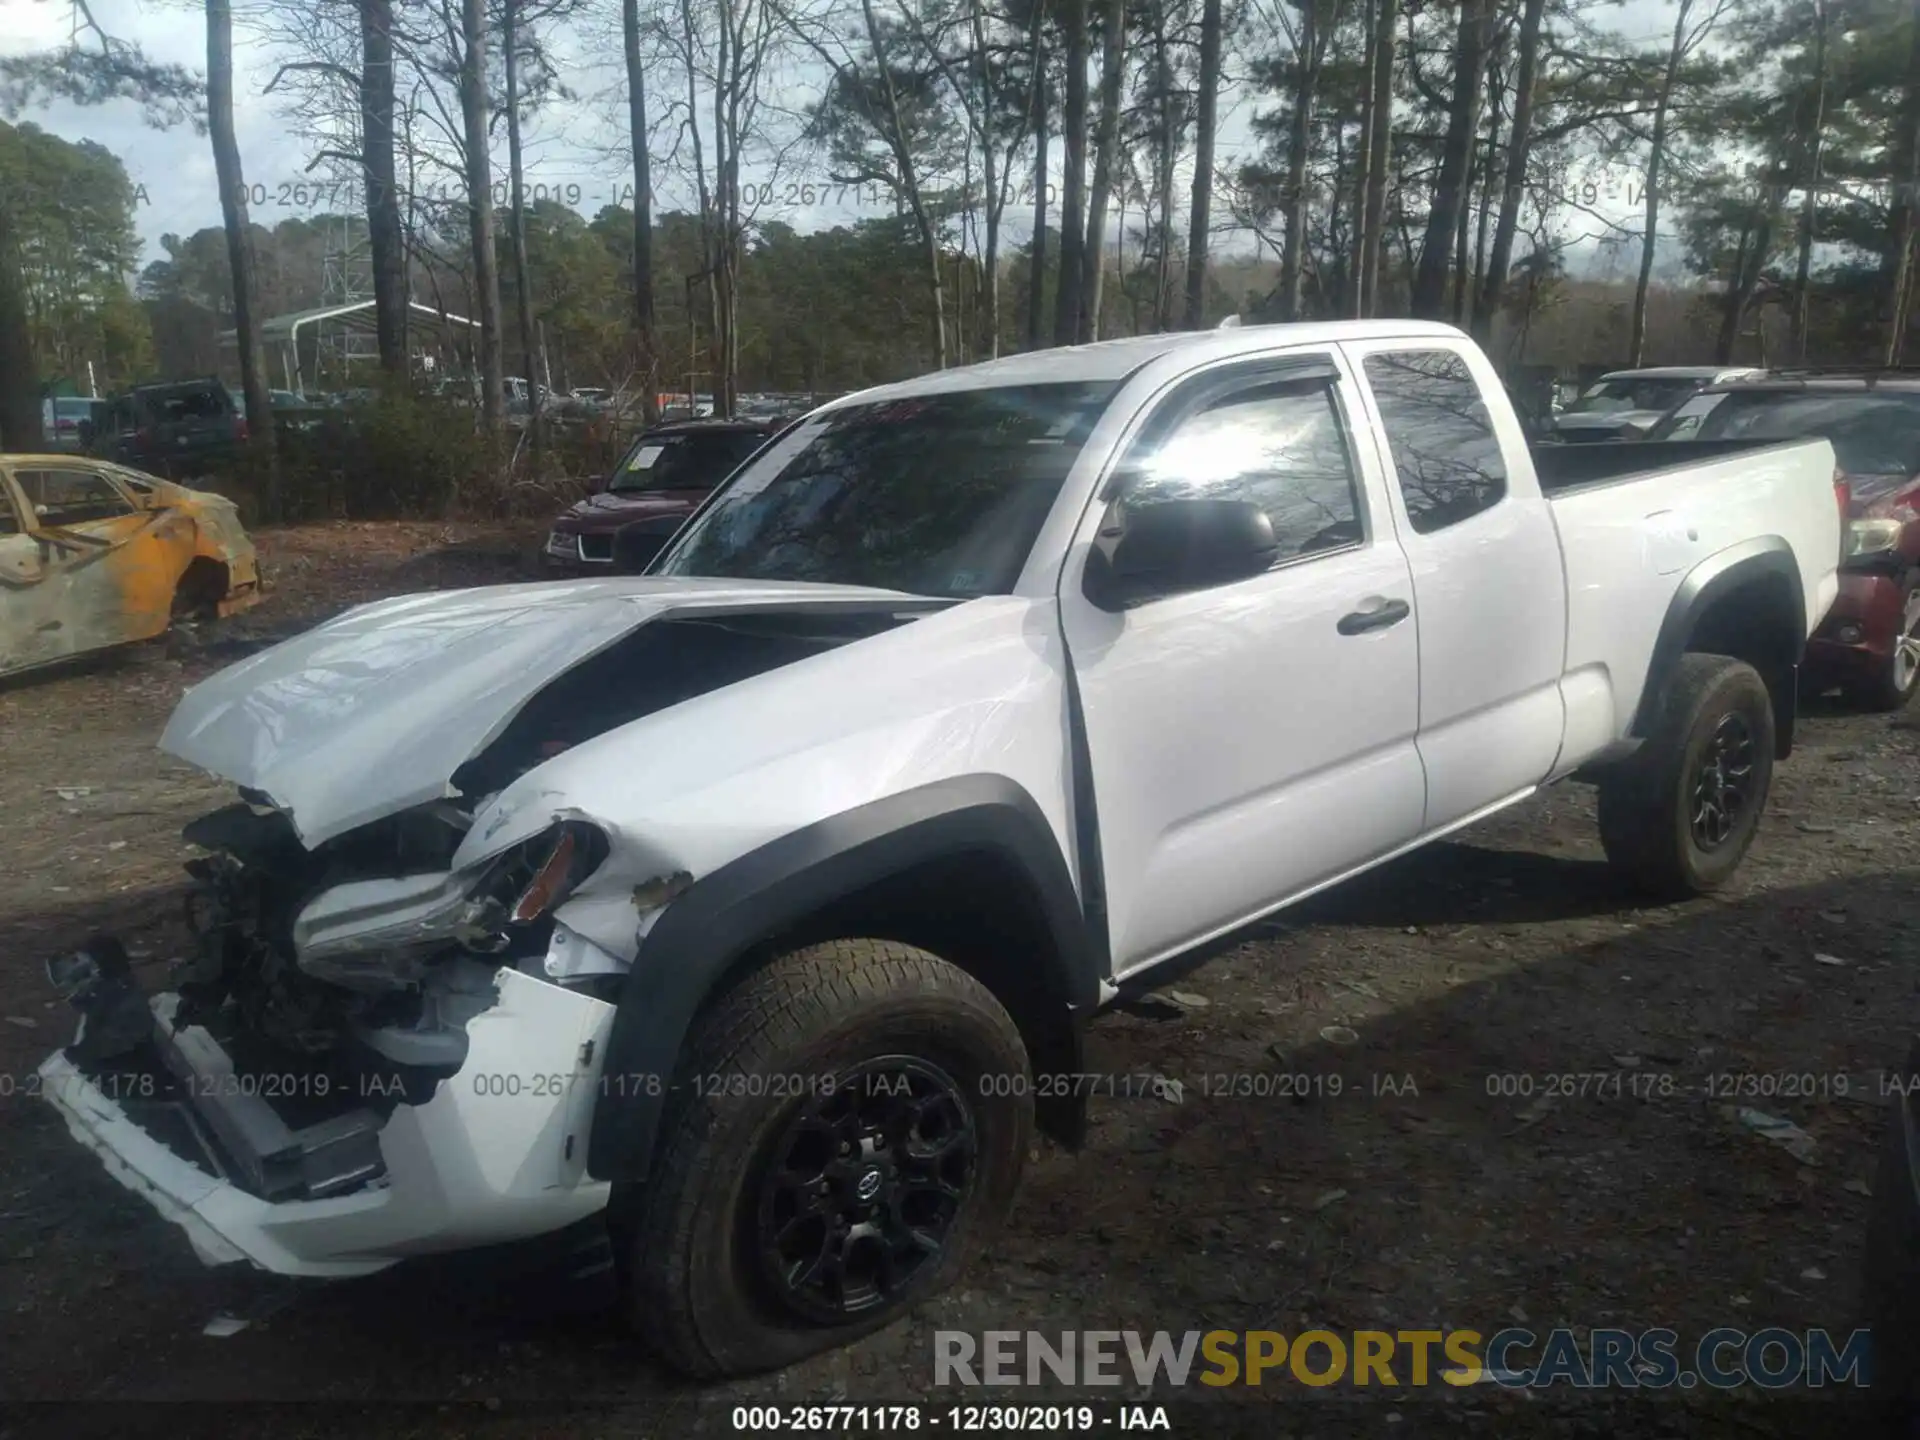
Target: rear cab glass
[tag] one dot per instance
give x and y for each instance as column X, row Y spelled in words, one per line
column 1446, row 454
column 689, row 460
column 1873, row 432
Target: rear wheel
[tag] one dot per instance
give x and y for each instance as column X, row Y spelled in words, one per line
column 1893, row 687
column 1679, row 817
column 850, row 1127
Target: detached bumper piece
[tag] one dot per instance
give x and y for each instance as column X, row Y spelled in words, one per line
column 302, row 1173
column 177, row 1083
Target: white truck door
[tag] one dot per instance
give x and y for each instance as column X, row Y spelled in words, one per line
column 1487, row 574
column 1249, row 737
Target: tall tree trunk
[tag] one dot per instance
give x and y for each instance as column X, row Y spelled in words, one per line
column 517, row 217
column 1519, row 144
column 643, row 315
column 1037, row 276
column 486, row 270
column 1449, row 191
column 1489, row 169
column 1373, row 229
column 989, row 296
column 1362, row 166
column 1163, row 174
column 1752, row 265
column 1462, row 273
column 1813, row 138
column 1299, row 132
column 1205, row 134
column 903, row 159
column 1073, row 198
column 1656, row 160
column 19, row 377
column 1896, row 266
column 386, row 242
column 233, row 209
column 1093, row 260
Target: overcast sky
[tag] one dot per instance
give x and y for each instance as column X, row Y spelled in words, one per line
column 576, row 149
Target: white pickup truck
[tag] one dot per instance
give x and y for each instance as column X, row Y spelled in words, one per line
column 751, row 911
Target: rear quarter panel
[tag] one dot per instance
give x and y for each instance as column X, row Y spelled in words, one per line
column 1629, row 545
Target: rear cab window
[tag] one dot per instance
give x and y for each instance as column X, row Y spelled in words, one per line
column 1446, row 455
column 686, row 461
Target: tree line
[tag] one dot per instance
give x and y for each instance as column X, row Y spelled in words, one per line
column 1424, row 157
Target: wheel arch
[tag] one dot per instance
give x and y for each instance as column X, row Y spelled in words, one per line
column 1746, row 602
column 968, row 868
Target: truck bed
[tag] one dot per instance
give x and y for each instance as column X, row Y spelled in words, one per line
column 1570, row 467
column 1627, row 547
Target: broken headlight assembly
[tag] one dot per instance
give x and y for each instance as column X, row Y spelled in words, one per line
column 378, row 934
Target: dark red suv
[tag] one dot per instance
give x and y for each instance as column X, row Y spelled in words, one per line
column 1869, row 643
column 664, row 475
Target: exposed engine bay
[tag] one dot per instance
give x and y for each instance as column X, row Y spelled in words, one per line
column 331, row 984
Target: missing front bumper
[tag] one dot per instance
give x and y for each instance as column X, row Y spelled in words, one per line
column 497, row 1154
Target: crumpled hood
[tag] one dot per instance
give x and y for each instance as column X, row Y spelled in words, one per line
column 372, row 712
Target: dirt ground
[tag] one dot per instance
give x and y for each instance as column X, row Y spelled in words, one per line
column 1508, row 953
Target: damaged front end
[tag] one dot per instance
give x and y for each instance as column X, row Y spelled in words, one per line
column 408, row 937
column 369, row 1054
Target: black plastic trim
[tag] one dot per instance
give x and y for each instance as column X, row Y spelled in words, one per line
column 772, row 889
column 1708, row 582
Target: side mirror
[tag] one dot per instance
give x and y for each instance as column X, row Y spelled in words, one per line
column 596, row 484
column 1168, row 546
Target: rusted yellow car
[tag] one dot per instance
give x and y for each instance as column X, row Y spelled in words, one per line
column 93, row 555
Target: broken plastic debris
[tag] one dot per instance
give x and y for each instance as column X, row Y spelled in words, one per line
column 1784, row 1133
column 221, row 1326
column 1813, row 1272
column 1328, row 1197
column 72, row 792
column 1820, row 959
column 1165, row 1089
column 23, row 1022
column 1340, row 1035
column 1188, row 999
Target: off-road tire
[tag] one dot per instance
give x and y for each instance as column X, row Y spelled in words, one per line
column 1884, row 692
column 692, row 1279
column 1647, row 804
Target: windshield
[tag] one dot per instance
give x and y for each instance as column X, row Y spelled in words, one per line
column 1872, row 433
column 934, row 495
column 1626, row 392
column 683, row 462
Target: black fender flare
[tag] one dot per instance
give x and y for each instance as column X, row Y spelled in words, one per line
column 1706, row 584
column 703, row 933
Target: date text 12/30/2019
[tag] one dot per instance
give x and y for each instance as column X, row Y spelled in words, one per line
column 950, row 1419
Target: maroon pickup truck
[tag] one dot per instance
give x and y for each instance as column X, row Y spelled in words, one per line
column 664, row 475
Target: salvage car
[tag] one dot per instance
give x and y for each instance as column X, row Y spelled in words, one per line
column 752, row 910
column 1626, row 404
column 94, row 555
column 665, row 474
column 1869, row 645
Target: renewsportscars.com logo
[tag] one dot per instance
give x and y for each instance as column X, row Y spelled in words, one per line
column 1654, row 1359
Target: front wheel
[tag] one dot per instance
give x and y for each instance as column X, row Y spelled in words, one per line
column 849, row 1126
column 1679, row 816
